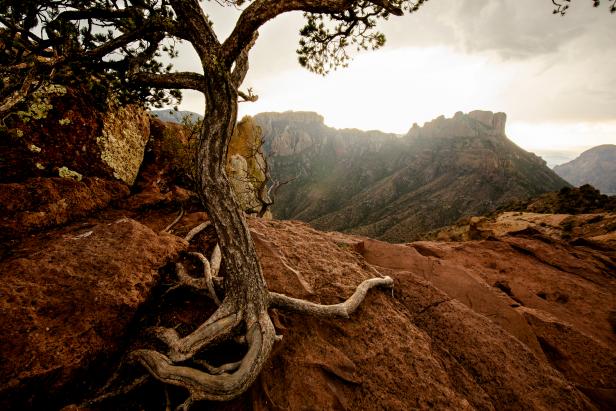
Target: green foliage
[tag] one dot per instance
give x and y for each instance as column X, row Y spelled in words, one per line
column 326, row 38
column 63, row 42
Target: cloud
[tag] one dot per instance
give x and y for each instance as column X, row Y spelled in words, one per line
column 513, row 29
column 500, row 55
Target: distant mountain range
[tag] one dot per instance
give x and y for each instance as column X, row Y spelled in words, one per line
column 176, row 116
column 596, row 166
column 396, row 188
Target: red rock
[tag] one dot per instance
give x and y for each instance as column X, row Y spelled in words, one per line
column 41, row 203
column 517, row 322
column 67, row 303
column 447, row 338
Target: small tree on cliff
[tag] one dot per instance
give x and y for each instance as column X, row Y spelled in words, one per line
column 119, row 43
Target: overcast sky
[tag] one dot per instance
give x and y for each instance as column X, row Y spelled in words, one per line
column 555, row 77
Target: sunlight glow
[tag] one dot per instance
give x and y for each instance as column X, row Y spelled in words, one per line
column 391, row 89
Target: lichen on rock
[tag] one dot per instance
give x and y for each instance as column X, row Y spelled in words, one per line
column 65, row 172
column 246, row 166
column 125, row 133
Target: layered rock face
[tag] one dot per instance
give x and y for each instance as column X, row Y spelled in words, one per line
column 62, row 132
column 397, row 188
column 475, row 124
column 596, row 167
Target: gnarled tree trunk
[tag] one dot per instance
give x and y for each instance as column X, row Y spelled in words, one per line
column 246, row 297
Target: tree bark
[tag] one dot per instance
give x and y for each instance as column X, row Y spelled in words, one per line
column 244, row 279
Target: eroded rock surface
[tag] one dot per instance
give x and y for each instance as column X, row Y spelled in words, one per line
column 40, row 203
column 523, row 320
column 66, row 304
column 456, row 333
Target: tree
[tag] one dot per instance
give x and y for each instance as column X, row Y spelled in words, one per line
column 119, row 43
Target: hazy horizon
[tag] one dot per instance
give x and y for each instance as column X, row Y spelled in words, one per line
column 553, row 157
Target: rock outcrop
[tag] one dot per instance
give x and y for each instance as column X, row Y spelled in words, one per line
column 596, row 167
column 67, row 302
column 63, row 129
column 246, row 166
column 125, row 133
column 519, row 318
column 41, row 203
column 474, row 124
column 520, row 321
column 397, row 188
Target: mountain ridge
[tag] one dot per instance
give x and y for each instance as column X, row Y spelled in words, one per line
column 595, row 166
column 386, row 186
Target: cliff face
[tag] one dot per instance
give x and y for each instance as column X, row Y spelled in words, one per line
column 396, row 188
column 596, row 166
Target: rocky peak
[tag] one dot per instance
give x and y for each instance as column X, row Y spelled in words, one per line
column 302, row 117
column 293, row 131
column 596, row 166
column 473, row 124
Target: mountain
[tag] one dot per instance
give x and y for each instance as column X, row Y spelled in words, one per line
column 176, row 116
column 596, row 166
column 397, row 187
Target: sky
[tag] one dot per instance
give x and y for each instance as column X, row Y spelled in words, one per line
column 554, row 76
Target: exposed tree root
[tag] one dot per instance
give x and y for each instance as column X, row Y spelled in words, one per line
column 192, row 233
column 342, row 310
column 218, row 327
column 225, row 368
column 242, row 316
column 207, row 276
column 210, row 271
column 222, row 387
column 230, row 380
column 177, row 219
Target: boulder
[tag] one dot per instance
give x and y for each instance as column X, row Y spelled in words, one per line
column 64, row 130
column 246, row 166
column 67, row 302
column 126, row 130
column 40, row 203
